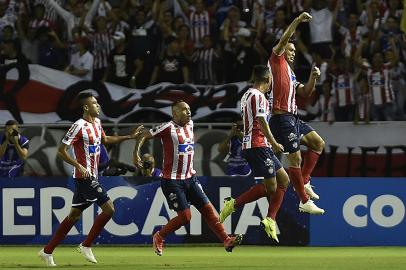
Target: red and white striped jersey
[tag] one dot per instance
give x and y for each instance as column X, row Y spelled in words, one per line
column 86, row 138
column 254, row 105
column 342, row 86
column 178, row 146
column 199, row 26
column 284, row 84
column 380, row 86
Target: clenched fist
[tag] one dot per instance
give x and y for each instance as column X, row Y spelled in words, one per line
column 304, row 17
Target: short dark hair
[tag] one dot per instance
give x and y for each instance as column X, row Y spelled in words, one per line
column 82, row 96
column 11, row 123
column 260, row 74
column 176, row 103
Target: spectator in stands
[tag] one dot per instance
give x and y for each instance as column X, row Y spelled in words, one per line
column 8, row 15
column 143, row 43
column 241, row 58
column 352, row 34
column 231, row 148
column 12, row 58
column 321, row 26
column 172, row 67
column 81, row 63
column 39, row 19
column 13, row 151
column 186, row 45
column 51, row 50
column 119, row 64
column 102, row 45
column 29, row 41
column 206, row 59
column 380, row 88
column 343, row 89
column 8, row 32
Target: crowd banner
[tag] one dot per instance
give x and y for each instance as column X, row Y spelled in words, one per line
column 119, row 104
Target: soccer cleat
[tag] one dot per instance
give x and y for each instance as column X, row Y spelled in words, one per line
column 309, row 191
column 47, row 258
column 87, row 253
column 269, row 226
column 311, row 208
column 157, row 244
column 228, row 208
column 232, row 241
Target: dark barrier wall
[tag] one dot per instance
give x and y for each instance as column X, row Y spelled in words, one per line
column 359, row 211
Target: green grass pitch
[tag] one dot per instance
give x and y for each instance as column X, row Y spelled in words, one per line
column 211, row 258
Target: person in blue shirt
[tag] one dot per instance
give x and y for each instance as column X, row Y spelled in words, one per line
column 231, row 147
column 13, row 150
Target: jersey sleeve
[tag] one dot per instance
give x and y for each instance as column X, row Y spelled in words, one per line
column 261, row 108
column 160, row 130
column 73, row 134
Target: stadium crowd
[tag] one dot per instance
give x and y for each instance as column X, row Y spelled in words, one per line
column 358, row 45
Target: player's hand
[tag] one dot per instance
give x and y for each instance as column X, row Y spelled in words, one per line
column 305, row 17
column 136, row 132
column 316, row 72
column 277, row 147
column 83, row 171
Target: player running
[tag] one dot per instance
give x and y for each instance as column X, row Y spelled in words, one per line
column 179, row 182
column 85, row 136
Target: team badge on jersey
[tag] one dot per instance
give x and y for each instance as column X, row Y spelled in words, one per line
column 292, row 136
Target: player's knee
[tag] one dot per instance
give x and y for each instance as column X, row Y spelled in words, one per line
column 320, row 144
column 74, row 216
column 110, row 211
column 270, row 186
column 295, row 160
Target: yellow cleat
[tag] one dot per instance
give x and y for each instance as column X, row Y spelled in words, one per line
column 269, row 225
column 228, row 208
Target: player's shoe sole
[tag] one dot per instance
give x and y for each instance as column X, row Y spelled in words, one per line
column 269, row 226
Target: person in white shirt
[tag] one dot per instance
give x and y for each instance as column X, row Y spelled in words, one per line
column 81, row 63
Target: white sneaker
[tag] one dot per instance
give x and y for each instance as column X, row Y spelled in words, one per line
column 309, row 191
column 47, row 258
column 311, row 208
column 87, row 253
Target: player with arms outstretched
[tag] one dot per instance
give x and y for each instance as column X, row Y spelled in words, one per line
column 179, row 182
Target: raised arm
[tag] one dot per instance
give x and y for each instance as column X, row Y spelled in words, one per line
column 61, row 11
column 280, row 47
column 307, row 89
column 145, row 134
column 92, row 11
column 118, row 139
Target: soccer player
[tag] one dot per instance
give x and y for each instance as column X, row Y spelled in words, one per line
column 285, row 124
column 179, row 183
column 85, row 135
column 257, row 150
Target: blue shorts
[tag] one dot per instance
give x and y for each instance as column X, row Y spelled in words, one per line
column 288, row 129
column 88, row 192
column 263, row 162
column 180, row 194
